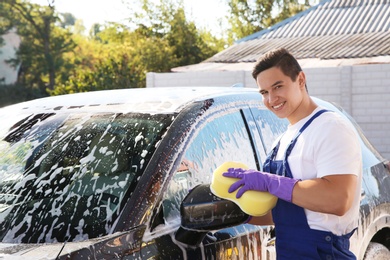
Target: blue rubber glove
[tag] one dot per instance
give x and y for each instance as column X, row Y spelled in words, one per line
column 278, row 186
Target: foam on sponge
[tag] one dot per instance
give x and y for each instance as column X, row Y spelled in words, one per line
column 254, row 203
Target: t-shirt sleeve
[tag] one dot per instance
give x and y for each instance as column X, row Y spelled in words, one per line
column 338, row 149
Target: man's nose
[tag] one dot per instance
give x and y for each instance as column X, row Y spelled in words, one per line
column 272, row 97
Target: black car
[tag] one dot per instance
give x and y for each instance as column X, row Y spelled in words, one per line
column 125, row 174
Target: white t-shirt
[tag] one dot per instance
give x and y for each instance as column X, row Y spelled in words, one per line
column 328, row 146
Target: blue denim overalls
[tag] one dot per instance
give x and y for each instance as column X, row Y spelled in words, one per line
column 294, row 238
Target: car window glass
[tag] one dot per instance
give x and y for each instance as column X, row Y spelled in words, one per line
column 269, row 125
column 64, row 177
column 256, row 137
column 217, row 141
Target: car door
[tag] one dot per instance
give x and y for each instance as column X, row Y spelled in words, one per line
column 220, row 136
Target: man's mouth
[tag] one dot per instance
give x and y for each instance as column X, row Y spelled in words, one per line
column 278, row 106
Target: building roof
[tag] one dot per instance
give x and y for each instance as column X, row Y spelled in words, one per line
column 332, row 31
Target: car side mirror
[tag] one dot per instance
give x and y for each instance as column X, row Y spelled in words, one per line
column 201, row 211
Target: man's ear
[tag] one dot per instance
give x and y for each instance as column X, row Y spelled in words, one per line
column 302, row 79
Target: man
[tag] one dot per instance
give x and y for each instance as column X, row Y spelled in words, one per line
column 315, row 168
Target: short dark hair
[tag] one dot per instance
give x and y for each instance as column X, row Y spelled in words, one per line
column 280, row 58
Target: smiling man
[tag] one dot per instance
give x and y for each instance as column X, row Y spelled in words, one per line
column 314, row 168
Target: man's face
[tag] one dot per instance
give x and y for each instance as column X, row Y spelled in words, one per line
column 280, row 94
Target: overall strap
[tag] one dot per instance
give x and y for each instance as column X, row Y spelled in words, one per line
column 294, row 141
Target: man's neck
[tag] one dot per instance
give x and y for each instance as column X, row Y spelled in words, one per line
column 305, row 109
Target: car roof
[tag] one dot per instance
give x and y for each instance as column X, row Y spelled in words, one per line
column 143, row 100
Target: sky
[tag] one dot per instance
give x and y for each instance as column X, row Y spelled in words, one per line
column 205, row 13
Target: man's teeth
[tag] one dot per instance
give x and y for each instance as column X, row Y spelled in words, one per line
column 278, row 106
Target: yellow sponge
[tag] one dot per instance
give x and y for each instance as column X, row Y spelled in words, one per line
column 253, row 203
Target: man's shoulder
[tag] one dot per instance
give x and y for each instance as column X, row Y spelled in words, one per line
column 328, row 126
column 331, row 119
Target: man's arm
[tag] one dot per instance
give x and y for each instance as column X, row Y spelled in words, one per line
column 332, row 194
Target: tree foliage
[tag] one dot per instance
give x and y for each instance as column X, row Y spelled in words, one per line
column 161, row 39
column 55, row 56
column 166, row 19
column 249, row 16
column 121, row 62
column 43, row 43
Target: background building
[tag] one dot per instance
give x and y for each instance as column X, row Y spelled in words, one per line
column 8, row 74
column 342, row 45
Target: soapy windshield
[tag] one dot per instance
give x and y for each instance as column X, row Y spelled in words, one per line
column 65, row 177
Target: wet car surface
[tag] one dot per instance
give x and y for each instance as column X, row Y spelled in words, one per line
column 103, row 174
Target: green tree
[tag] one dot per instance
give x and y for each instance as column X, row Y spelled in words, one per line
column 5, row 26
column 115, row 58
column 185, row 39
column 119, row 56
column 101, row 66
column 249, row 16
column 43, row 43
column 166, row 19
column 66, row 20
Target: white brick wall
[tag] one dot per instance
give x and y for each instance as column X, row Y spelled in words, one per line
column 362, row 90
